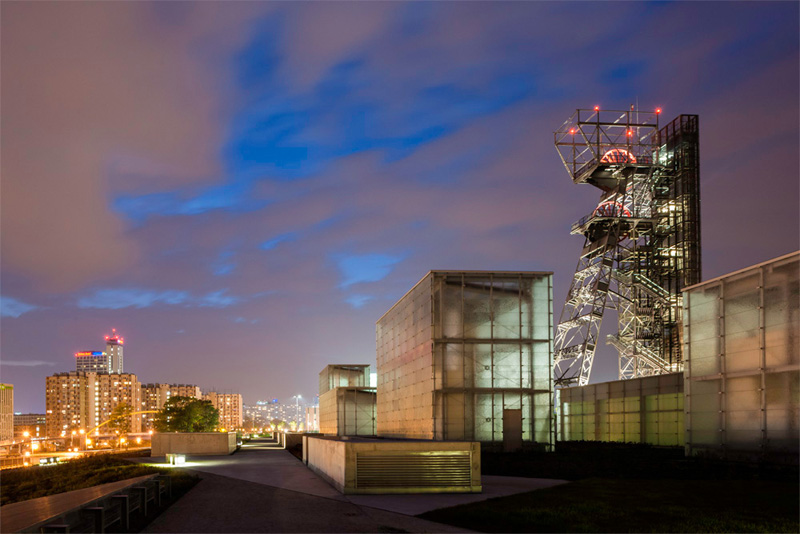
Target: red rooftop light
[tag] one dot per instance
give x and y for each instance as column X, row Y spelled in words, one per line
column 658, row 111
column 597, row 108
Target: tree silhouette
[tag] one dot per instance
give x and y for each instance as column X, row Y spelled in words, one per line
column 187, row 414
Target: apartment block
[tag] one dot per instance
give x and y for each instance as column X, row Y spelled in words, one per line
column 230, row 408
column 86, row 400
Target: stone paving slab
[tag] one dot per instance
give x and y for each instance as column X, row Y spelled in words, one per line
column 493, row 486
column 261, row 462
column 24, row 515
column 222, row 504
column 263, row 488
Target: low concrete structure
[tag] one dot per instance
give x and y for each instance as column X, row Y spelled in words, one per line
column 362, row 465
column 194, row 443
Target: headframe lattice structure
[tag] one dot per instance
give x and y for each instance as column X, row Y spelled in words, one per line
column 641, row 241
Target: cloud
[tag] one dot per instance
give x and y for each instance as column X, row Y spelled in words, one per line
column 358, row 269
column 275, row 241
column 98, row 98
column 11, row 307
column 358, row 301
column 218, row 299
column 26, row 363
column 119, row 298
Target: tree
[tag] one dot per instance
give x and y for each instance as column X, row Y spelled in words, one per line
column 187, row 414
column 120, row 419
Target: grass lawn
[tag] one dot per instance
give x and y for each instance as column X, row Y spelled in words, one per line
column 633, row 488
column 31, row 482
column 636, row 505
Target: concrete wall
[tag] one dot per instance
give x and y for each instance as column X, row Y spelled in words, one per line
column 336, row 461
column 195, row 443
column 290, row 439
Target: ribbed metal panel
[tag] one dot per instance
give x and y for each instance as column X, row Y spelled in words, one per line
column 413, row 469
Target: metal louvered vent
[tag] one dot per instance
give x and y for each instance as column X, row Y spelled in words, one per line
column 446, row 469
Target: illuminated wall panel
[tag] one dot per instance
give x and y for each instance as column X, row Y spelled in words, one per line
column 639, row 410
column 742, row 353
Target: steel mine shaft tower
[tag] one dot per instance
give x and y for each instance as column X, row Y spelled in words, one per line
column 641, row 241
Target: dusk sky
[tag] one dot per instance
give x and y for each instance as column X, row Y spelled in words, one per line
column 243, row 189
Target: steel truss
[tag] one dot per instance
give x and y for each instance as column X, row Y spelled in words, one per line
column 641, row 242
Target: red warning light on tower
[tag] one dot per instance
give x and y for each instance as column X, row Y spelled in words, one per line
column 658, row 111
column 597, row 108
column 114, row 338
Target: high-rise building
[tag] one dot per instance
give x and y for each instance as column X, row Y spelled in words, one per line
column 85, row 400
column 6, row 412
column 229, row 406
column 95, row 361
column 32, row 423
column 184, row 390
column 92, row 361
column 154, row 396
column 114, row 344
column 312, row 419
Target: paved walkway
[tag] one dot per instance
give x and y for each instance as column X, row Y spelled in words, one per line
column 263, row 488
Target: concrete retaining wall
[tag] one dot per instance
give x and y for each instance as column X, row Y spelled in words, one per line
column 195, row 443
column 409, row 466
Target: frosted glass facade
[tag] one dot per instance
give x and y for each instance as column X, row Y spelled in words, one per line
column 742, row 354
column 640, row 410
column 347, row 412
column 467, row 356
column 343, row 375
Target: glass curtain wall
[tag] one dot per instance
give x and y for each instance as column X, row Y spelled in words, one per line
column 467, row 356
column 742, row 353
column 639, row 410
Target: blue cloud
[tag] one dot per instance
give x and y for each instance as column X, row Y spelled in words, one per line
column 257, row 63
column 119, row 298
column 357, row 269
column 357, row 301
column 224, row 265
column 116, row 299
column 218, row 299
column 234, row 196
column 274, row 242
column 11, row 307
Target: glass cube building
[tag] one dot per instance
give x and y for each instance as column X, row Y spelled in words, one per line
column 467, row 355
column 346, row 402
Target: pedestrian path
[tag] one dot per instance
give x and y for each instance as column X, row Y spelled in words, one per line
column 263, row 488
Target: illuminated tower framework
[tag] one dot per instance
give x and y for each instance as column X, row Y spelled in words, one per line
column 641, row 242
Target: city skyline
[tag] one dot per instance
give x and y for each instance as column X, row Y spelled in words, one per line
column 243, row 203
